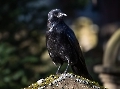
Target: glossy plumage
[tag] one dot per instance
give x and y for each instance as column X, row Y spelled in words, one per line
column 62, row 45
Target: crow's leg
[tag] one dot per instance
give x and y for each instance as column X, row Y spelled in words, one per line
column 58, row 69
column 68, row 62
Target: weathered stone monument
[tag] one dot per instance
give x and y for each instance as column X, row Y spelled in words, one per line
column 109, row 71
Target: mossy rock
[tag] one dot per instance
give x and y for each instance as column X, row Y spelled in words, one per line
column 65, row 81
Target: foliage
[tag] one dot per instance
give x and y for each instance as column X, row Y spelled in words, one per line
column 20, row 46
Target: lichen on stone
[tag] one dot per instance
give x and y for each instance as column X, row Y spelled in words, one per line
column 65, row 81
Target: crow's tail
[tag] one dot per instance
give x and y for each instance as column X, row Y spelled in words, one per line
column 81, row 70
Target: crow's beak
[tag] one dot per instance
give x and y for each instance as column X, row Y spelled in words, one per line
column 61, row 15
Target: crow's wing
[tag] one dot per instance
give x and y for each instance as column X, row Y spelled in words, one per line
column 75, row 44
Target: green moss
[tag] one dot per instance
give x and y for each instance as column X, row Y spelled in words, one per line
column 55, row 80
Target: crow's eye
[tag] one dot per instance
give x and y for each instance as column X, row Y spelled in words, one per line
column 55, row 14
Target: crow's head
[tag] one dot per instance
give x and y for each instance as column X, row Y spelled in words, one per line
column 55, row 15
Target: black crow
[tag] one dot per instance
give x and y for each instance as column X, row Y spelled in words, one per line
column 63, row 46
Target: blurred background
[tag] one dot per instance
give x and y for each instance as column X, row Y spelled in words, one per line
column 23, row 23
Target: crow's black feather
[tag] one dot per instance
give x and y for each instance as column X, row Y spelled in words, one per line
column 63, row 46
